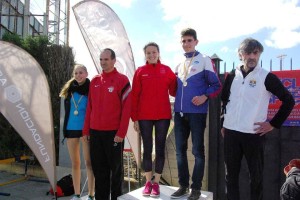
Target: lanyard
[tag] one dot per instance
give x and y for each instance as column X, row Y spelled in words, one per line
column 186, row 69
column 76, row 105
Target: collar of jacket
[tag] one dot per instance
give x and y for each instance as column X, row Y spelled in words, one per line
column 81, row 89
column 153, row 64
column 107, row 74
column 256, row 68
column 190, row 54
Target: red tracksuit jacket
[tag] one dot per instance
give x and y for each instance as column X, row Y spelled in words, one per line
column 109, row 104
column 152, row 84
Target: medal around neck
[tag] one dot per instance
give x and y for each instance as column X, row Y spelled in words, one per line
column 75, row 112
column 76, row 104
column 186, row 69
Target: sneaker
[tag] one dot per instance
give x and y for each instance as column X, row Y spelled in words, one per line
column 182, row 191
column 90, row 197
column 147, row 189
column 76, row 197
column 195, row 194
column 155, row 190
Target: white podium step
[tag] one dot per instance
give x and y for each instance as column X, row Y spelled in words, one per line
column 165, row 193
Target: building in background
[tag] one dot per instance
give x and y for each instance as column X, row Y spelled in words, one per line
column 12, row 19
column 16, row 16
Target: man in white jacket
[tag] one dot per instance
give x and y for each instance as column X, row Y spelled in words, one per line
column 245, row 96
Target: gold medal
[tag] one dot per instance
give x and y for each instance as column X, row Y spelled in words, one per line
column 75, row 112
column 76, row 105
column 186, row 70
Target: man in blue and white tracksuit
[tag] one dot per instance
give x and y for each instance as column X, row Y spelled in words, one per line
column 197, row 81
column 246, row 98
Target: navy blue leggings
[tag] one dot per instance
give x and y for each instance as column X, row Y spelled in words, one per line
column 161, row 131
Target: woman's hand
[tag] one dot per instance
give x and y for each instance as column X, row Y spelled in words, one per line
column 136, row 126
column 86, row 138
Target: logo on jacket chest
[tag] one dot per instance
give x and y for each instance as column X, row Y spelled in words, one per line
column 252, row 83
column 111, row 89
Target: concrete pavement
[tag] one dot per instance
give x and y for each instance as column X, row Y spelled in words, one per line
column 18, row 187
column 15, row 186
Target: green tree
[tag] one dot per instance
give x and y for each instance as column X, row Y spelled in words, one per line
column 12, row 38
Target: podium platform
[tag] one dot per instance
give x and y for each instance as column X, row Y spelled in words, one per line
column 165, row 193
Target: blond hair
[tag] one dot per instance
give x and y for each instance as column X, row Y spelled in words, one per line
column 64, row 91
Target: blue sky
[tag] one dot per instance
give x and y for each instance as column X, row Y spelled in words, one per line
column 221, row 26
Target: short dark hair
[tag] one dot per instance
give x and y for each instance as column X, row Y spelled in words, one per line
column 112, row 53
column 151, row 44
column 248, row 45
column 189, row 32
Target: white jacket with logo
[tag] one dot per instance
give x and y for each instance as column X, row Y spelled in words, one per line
column 248, row 101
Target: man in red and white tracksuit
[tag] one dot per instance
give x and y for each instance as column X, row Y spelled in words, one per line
column 106, row 124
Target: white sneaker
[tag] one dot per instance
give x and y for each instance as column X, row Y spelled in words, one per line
column 76, row 198
column 90, row 198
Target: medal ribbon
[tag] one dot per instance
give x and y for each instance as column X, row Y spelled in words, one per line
column 186, row 69
column 76, row 105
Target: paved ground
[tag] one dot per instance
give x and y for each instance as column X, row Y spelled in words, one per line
column 19, row 188
column 14, row 185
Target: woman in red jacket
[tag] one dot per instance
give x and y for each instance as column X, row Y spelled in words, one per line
column 152, row 84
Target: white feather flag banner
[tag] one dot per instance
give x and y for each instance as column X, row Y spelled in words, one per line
column 25, row 103
column 101, row 28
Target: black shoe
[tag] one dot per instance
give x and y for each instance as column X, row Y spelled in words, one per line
column 182, row 191
column 195, row 194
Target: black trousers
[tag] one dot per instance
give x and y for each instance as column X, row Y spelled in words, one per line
column 237, row 145
column 161, row 131
column 107, row 164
